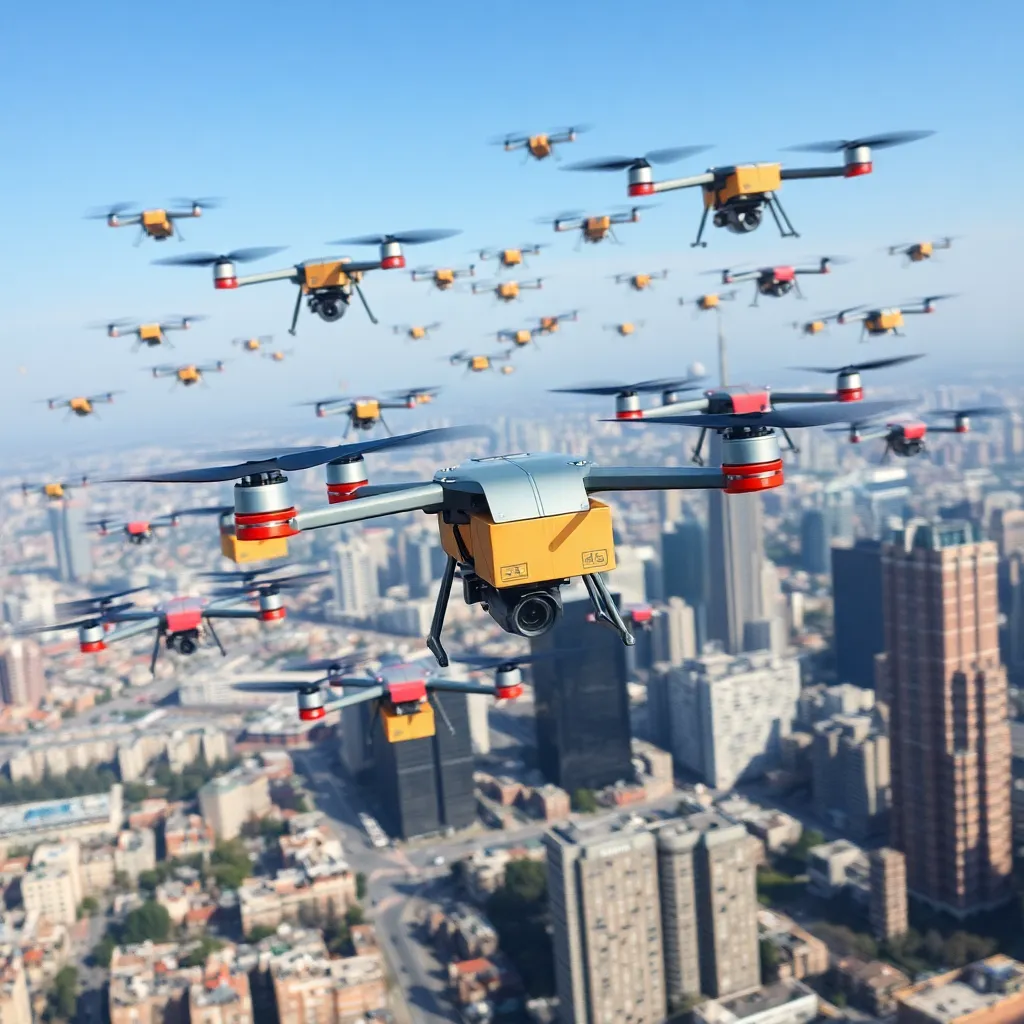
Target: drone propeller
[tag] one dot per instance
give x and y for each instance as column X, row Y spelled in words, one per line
column 871, row 364
column 294, row 582
column 202, row 202
column 621, row 163
column 208, row 259
column 98, row 603
column 883, row 141
column 642, row 387
column 103, row 212
column 574, row 129
column 307, row 458
column 402, row 237
column 808, row 416
column 980, row 410
column 486, row 661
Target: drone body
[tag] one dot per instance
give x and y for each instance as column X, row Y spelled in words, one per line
column 594, row 228
column 442, row 278
column 188, row 374
column 541, row 145
column 509, row 259
column 365, row 413
column 640, row 282
column 508, row 291
column 625, row 329
column 550, row 324
column 253, row 344
column 54, row 490
column 884, row 320
column 135, row 531
column 415, row 332
column 157, row 223
column 481, row 363
column 777, row 281
column 151, row 334
column 919, row 252
column 82, row 405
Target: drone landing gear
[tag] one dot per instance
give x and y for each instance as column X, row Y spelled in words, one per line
column 700, row 231
column 779, row 215
column 444, row 593
column 605, row 612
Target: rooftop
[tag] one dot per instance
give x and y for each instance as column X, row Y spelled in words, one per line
column 770, row 997
column 977, row 987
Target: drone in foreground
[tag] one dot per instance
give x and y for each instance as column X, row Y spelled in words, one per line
column 738, row 195
column 403, row 695
column 507, row 291
column 327, row 285
column 542, row 145
column 415, row 332
column 479, row 363
column 365, row 413
column 442, row 278
column 594, row 228
column 877, row 322
column 82, row 405
column 774, row 282
column 135, row 531
column 710, row 302
column 906, row 439
column 150, row 334
column 509, row 258
column 918, row 252
column 640, row 282
column 156, row 223
column 188, row 374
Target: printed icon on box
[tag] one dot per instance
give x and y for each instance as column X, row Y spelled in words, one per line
column 596, row 559
column 511, row 573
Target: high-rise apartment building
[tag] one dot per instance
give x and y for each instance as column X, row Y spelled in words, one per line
column 15, row 1003
column 729, row 714
column 425, row 786
column 603, row 897
column 888, row 887
column 70, row 540
column 815, row 541
column 582, row 705
column 684, row 562
column 857, row 609
column 707, row 872
column 356, row 585
column 946, row 693
column 21, row 673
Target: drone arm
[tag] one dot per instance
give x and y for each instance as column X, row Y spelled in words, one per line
column 231, row 613
column 288, row 274
column 943, row 430
column 460, row 686
column 415, row 498
column 652, row 478
column 676, row 183
column 797, row 397
column 796, row 173
column 675, row 408
column 135, row 629
column 372, row 693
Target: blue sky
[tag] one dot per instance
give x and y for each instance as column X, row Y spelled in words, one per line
column 375, row 118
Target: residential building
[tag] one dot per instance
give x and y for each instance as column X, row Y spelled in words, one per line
column 857, row 610
column 987, row 992
column 425, row 785
column 15, row 1006
column 229, row 801
column 147, row 985
column 62, row 857
column 729, row 714
column 950, row 781
column 798, row 953
column 320, row 990
column 221, row 997
column 70, row 539
column 21, row 673
column 888, row 906
column 707, row 872
column 850, row 774
column 603, row 898
column 135, row 852
column 49, row 892
column 828, row 865
column 186, row 835
column 871, row 986
column 78, row 817
column 782, row 1002
column 675, row 632
column 581, row 702
column 266, row 902
column 356, row 585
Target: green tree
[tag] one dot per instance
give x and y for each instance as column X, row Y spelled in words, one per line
column 88, row 907
column 198, row 955
column 150, row 921
column 64, row 998
column 260, row 932
column 810, row 837
column 584, row 801
column 361, row 885
column 769, row 961
column 104, row 950
column 229, row 864
column 354, row 915
column 527, row 879
column 518, row 910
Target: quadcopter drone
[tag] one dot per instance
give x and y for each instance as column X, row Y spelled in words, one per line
column 157, row 223
column 520, row 337
column 624, row 330
column 188, row 374
column 738, row 195
column 135, row 531
column 774, row 282
column 253, row 344
column 53, row 490
column 149, row 334
column 542, row 145
column 815, row 326
column 918, row 252
column 880, row 321
column 479, row 363
column 640, row 282
column 442, row 278
column 907, row 438
column 365, row 413
column 82, row 405
column 594, row 228
column 710, row 302
column 507, row 291
column 509, row 258
column 327, row 285
column 415, row 332
column 278, row 355
column 550, row 324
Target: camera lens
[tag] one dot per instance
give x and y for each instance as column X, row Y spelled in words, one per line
column 186, row 645
column 534, row 614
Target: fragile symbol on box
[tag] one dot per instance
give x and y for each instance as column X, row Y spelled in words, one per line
column 596, row 559
column 510, row 573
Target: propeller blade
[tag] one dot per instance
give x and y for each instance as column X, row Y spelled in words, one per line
column 871, row 364
column 204, row 202
column 884, row 141
column 621, row 163
column 207, row 259
column 808, row 416
column 403, row 237
column 103, row 212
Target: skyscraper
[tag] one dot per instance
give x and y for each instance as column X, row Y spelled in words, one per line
column 70, row 540
column 356, row 587
column 582, row 705
column 684, row 562
column 419, row 565
column 888, row 902
column 21, row 673
column 857, row 609
column 945, row 690
column 603, row 898
column 707, row 871
column 426, row 786
column 814, row 541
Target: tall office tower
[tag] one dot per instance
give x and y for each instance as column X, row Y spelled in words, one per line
column 888, row 899
column 356, row 587
column 684, row 562
column 729, row 714
column 582, row 705
column 419, row 565
column 357, row 739
column 631, row 563
column 857, row 611
column 479, row 722
column 707, row 872
column 1011, row 601
column 426, row 786
column 603, row 898
column 815, row 541
column 945, row 690
column 1013, row 435
column 676, row 632
column 735, row 562
column 21, row 673
column 670, row 506
column 851, row 774
column 839, row 513
column 70, row 540
column 1007, row 530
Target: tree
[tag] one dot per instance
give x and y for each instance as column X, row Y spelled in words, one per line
column 810, row 837
column 527, row 879
column 150, row 921
column 769, row 961
column 198, row 956
column 259, row 933
column 88, row 907
column 361, row 885
column 354, row 915
column 229, row 864
column 104, row 950
column 583, row 800
column 933, row 946
column 64, row 998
